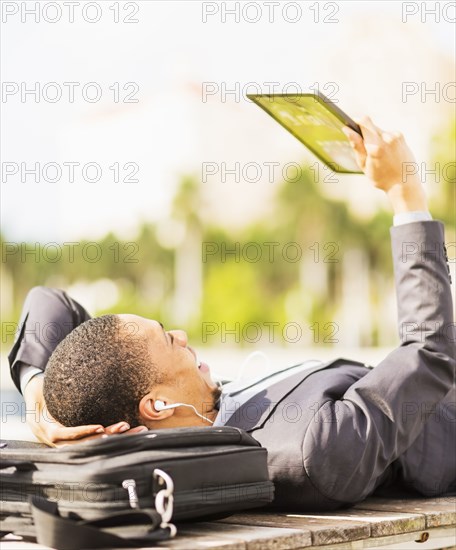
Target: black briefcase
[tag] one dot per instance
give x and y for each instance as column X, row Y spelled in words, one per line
column 129, row 489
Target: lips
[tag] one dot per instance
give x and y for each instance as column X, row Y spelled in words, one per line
column 203, row 367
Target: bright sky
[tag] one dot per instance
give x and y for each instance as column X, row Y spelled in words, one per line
column 366, row 55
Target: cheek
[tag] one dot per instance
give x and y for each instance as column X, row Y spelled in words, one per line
column 185, row 373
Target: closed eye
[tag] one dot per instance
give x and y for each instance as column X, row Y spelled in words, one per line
column 167, row 335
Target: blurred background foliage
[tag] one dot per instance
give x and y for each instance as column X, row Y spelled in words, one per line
column 153, row 275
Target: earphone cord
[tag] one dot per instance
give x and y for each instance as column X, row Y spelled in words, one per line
column 247, row 360
column 195, row 411
column 242, row 368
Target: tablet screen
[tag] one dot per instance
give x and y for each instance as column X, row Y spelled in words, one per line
column 317, row 123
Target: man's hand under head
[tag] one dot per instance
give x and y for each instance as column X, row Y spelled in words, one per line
column 383, row 156
column 47, row 430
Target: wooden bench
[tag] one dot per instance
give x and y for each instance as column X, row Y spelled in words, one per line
column 376, row 523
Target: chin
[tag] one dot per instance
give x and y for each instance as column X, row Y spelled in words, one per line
column 206, row 376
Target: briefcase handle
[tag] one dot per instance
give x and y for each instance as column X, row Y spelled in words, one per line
column 20, row 465
column 62, row 533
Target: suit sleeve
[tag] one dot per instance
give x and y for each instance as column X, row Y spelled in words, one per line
column 48, row 315
column 356, row 438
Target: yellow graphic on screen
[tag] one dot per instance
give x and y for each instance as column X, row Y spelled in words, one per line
column 317, row 123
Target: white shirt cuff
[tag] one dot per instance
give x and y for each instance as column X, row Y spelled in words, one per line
column 26, row 373
column 409, row 217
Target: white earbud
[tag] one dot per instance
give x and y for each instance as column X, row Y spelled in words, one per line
column 160, row 406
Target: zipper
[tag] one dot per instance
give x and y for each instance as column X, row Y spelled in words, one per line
column 197, row 502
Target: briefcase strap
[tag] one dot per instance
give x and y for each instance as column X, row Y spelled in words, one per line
column 131, row 528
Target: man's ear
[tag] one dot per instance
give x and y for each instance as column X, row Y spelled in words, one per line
column 147, row 411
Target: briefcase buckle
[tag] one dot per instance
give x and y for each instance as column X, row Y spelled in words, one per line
column 130, row 486
column 164, row 500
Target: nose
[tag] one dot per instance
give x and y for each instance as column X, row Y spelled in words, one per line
column 180, row 337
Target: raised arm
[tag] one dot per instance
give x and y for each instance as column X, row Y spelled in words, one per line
column 358, row 436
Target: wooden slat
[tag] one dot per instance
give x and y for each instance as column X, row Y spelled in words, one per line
column 323, row 530
column 252, row 538
column 438, row 511
column 193, row 542
column 198, row 542
column 440, row 538
column 11, row 542
column 341, row 526
column 381, row 523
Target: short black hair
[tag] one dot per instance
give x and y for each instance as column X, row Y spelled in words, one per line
column 98, row 374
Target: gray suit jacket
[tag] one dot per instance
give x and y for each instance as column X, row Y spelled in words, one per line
column 336, row 435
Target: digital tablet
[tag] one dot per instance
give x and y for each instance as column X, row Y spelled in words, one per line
column 317, row 122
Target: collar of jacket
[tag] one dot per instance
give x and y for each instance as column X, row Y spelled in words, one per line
column 262, row 405
column 241, row 385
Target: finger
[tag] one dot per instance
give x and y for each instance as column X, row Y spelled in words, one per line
column 123, row 427
column 390, row 137
column 118, row 428
column 357, row 143
column 373, row 126
column 67, row 442
column 138, row 430
column 353, row 137
column 78, row 432
column 371, row 133
column 99, row 435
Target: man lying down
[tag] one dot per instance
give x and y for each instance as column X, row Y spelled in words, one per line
column 354, row 429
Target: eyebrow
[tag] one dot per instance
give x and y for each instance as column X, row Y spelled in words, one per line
column 171, row 337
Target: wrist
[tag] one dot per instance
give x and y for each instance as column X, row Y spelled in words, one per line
column 39, row 420
column 26, row 373
column 33, row 391
column 407, row 198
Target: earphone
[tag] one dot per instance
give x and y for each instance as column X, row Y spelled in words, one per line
column 160, row 406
